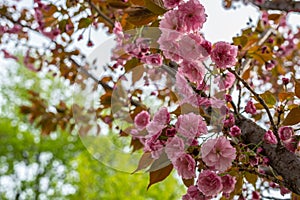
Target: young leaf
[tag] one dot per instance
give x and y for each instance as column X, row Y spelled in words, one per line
column 293, row 117
column 159, row 175
column 161, row 162
column 269, row 98
column 145, row 161
column 188, row 182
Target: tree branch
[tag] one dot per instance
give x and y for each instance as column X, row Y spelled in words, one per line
column 260, row 100
column 285, row 163
column 101, row 14
column 282, row 5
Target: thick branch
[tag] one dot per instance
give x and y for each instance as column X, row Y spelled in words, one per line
column 284, row 162
column 282, row 5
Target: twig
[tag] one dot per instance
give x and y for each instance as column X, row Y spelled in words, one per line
column 261, row 101
column 100, row 13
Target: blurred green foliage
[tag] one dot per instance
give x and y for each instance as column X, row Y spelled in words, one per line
column 58, row 166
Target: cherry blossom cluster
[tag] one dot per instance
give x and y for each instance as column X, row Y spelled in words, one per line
column 177, row 140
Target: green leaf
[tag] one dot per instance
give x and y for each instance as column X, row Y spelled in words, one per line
column 159, row 175
column 269, row 98
column 293, row 117
column 84, row 23
column 145, row 161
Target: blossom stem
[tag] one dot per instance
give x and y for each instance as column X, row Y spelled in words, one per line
column 260, row 100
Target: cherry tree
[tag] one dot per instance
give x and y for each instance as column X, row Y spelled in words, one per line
column 224, row 116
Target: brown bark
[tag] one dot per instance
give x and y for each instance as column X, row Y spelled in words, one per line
column 283, row 162
column 283, row 5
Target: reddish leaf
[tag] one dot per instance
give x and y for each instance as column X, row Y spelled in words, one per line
column 160, row 163
column 159, row 175
column 297, row 89
column 293, row 117
column 140, row 16
column 285, row 96
column 145, row 161
column 136, row 144
column 188, row 182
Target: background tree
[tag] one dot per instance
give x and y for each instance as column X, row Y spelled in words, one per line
column 251, row 119
column 34, row 166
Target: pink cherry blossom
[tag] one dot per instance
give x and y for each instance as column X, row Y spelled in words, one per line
column 183, row 86
column 224, row 55
column 228, row 183
column 168, row 43
column 218, row 153
column 190, row 125
column 235, row 131
column 209, row 183
column 162, row 116
column 270, row 138
column 250, row 108
column 160, row 119
column 192, row 15
column 225, row 81
column 171, row 23
column 174, row 148
column 153, row 145
column 141, row 120
column 192, row 49
column 193, row 193
column 171, row 3
column 194, row 71
column 229, row 121
column 285, row 132
column 185, row 166
column 291, row 144
column 153, row 59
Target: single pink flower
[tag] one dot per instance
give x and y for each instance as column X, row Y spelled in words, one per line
column 229, row 121
column 209, row 183
column 228, row 183
column 171, row 22
column 224, row 55
column 285, row 132
column 194, row 71
column 174, row 148
column 190, row 125
column 185, row 166
column 153, row 59
column 250, row 108
column 191, row 48
column 218, row 153
column 225, row 81
column 154, row 145
column 192, row 15
column 270, row 138
column 141, row 120
column 235, row 131
column 168, row 43
column 291, row 144
column 160, row 119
